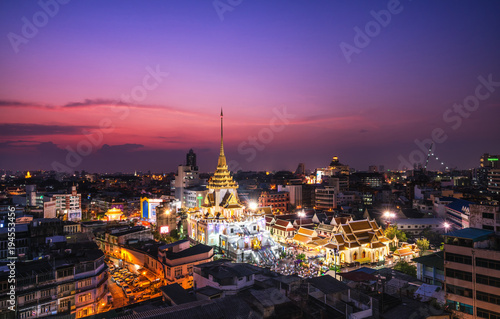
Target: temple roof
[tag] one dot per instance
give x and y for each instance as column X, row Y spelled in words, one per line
column 222, row 178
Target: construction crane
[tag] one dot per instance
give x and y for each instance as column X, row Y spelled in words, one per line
column 428, row 155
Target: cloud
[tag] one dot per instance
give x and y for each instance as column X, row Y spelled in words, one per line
column 91, row 103
column 95, row 102
column 21, row 129
column 110, row 102
column 12, row 103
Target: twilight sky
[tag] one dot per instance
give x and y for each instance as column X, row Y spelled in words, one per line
column 124, row 86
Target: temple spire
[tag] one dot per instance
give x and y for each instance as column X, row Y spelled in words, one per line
column 221, row 133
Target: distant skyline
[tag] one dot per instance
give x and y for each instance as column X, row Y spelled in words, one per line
column 146, row 81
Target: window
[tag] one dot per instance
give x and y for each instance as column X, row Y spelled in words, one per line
column 45, row 293
column 458, row 274
column 178, row 271
column 489, row 215
column 168, row 271
column 29, row 297
column 464, row 292
column 85, row 297
column 484, row 296
column 25, row 314
column 487, row 280
column 64, row 303
column 85, row 283
column 483, row 313
column 488, row 263
column 462, row 259
column 190, row 269
column 488, row 227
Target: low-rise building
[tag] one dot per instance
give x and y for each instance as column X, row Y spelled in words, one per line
column 430, row 268
column 70, row 283
column 415, row 226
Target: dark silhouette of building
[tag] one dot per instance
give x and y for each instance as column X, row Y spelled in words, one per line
column 191, row 159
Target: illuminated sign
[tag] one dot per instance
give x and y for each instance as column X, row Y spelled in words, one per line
column 164, row 230
column 493, row 159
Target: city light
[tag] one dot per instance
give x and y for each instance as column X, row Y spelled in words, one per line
column 253, row 205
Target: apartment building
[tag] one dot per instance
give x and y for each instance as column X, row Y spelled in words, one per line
column 72, row 282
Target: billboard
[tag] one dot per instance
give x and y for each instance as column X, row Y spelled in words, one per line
column 164, row 230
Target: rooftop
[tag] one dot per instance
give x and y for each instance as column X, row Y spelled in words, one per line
column 224, row 268
column 177, row 294
column 327, row 284
column 191, row 251
column 475, row 234
column 435, row 260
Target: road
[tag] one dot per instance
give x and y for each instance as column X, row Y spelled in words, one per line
column 119, row 299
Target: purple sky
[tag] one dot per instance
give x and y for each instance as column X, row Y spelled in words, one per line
column 88, row 65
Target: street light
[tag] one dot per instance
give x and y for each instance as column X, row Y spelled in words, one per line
column 446, row 226
column 389, row 215
column 301, row 214
column 253, row 205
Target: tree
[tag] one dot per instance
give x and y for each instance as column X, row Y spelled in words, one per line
column 301, row 257
column 433, row 237
column 406, row 268
column 422, row 244
column 393, row 231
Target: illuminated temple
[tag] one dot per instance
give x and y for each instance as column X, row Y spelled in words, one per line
column 223, row 222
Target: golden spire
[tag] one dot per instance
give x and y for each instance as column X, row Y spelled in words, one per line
column 221, row 133
column 222, row 177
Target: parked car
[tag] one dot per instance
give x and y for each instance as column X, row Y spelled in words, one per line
column 119, row 282
column 128, row 292
column 125, row 287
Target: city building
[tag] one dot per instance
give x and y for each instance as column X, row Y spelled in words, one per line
column 224, row 275
column 166, row 219
column 73, row 283
column 279, row 201
column 457, row 214
column 295, row 192
column 472, row 272
column 179, row 259
column 148, row 208
column 187, row 176
column 415, row 226
column 69, row 206
column 494, row 181
column 430, row 268
column 325, row 198
column 111, row 240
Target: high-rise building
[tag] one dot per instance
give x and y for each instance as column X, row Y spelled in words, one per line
column 325, row 198
column 490, row 161
column 191, row 159
column 187, row 176
column 472, row 266
column 69, row 206
column 301, row 169
column 494, row 181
